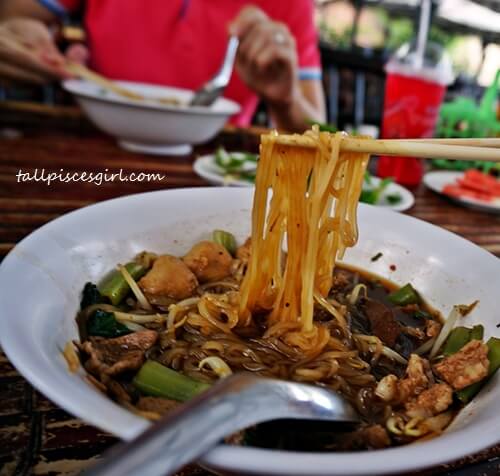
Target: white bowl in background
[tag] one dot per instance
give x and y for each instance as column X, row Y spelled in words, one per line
column 41, row 280
column 150, row 126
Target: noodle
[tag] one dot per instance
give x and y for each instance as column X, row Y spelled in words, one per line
column 314, row 195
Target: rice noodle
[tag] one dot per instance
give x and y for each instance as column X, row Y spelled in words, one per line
column 314, row 194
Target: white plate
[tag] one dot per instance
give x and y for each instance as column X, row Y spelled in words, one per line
column 41, row 280
column 148, row 126
column 436, row 181
column 206, row 167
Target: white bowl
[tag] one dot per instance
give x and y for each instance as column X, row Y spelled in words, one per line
column 41, row 279
column 149, row 126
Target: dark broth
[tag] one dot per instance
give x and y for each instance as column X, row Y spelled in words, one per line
column 297, row 435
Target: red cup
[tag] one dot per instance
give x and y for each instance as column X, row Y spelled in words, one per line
column 411, row 108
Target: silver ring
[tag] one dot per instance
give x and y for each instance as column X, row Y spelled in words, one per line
column 279, row 38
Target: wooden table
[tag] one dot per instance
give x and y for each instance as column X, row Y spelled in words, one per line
column 37, row 437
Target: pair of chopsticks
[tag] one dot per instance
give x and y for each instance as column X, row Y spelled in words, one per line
column 82, row 72
column 487, row 149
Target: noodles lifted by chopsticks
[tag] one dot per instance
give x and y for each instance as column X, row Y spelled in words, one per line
column 305, row 200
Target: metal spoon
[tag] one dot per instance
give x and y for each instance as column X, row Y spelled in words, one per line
column 232, row 404
column 210, row 91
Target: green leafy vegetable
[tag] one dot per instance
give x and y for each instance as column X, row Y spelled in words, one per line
column 405, row 295
column 104, row 324
column 226, row 239
column 91, row 295
column 233, row 162
column 394, row 198
column 236, row 166
column 458, row 337
column 477, row 332
column 372, row 195
column 323, row 127
column 463, row 165
column 368, row 178
column 248, row 176
column 160, row 381
column 419, row 314
column 114, row 286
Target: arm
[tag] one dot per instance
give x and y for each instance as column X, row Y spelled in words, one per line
column 307, row 105
column 26, row 8
column 267, row 62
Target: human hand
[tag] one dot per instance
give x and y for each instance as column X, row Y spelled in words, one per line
column 28, row 52
column 267, row 58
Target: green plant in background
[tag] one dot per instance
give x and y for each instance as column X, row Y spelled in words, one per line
column 399, row 31
column 463, row 118
column 340, row 40
column 441, row 37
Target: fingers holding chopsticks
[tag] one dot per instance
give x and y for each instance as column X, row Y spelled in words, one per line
column 28, row 52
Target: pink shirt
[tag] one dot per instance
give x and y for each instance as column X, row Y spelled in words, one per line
column 182, row 42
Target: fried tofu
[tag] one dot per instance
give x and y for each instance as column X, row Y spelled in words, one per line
column 431, row 401
column 467, row 366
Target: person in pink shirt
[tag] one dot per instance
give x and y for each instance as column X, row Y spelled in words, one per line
column 179, row 43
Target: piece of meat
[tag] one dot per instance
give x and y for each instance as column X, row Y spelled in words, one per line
column 410, row 308
column 368, row 437
column 382, row 321
column 111, row 357
column 209, row 261
column 169, row 280
column 469, row 365
column 376, row 437
column 391, row 389
column 243, row 251
column 413, row 332
column 431, row 401
column 340, row 280
column 157, row 405
column 117, row 391
column 416, row 380
column 432, row 328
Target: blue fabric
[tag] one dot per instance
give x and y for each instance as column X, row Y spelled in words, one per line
column 54, row 6
column 310, row 73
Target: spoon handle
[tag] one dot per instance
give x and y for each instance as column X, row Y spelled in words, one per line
column 227, row 64
column 186, row 433
column 232, row 404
